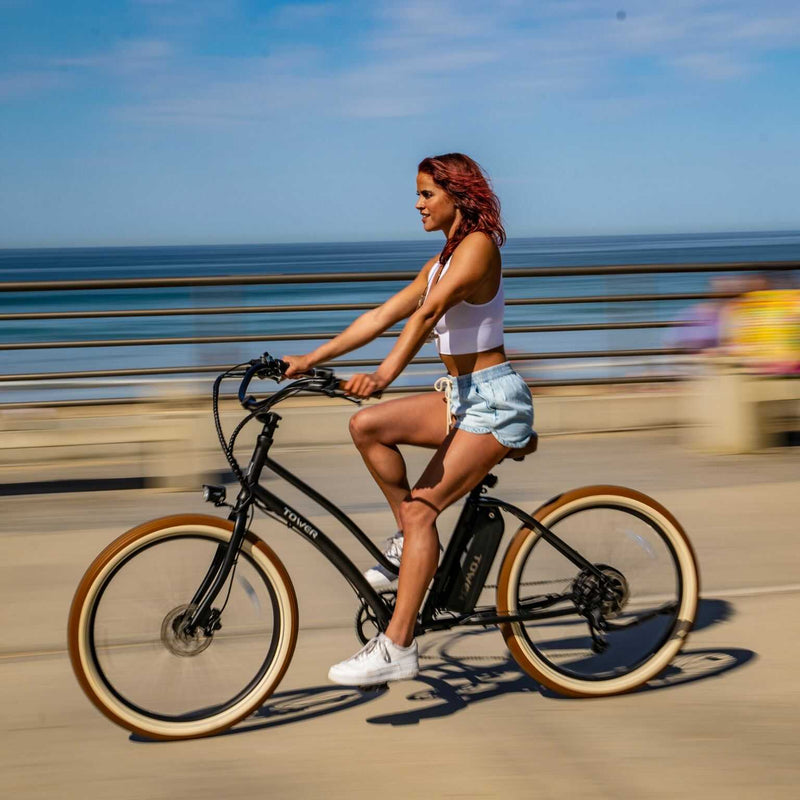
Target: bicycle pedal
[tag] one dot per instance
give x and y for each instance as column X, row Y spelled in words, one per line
column 374, row 688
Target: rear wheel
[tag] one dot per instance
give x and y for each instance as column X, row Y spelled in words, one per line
column 130, row 649
column 592, row 636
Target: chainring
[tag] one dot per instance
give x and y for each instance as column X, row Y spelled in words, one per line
column 366, row 623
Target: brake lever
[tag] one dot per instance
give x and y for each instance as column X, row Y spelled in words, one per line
column 273, row 368
column 328, row 384
column 357, row 400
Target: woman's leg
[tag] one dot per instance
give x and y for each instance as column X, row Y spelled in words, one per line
column 460, row 462
column 379, row 429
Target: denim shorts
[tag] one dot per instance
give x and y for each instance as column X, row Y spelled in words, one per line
column 495, row 400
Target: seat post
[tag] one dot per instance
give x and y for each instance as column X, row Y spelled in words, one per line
column 488, row 482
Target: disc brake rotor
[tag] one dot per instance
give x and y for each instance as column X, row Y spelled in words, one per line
column 175, row 638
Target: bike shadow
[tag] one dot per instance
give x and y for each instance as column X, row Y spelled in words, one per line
column 456, row 680
column 455, row 683
column 296, row 705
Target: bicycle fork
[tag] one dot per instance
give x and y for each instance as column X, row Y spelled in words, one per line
column 201, row 614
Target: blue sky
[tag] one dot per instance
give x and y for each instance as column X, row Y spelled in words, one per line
column 233, row 121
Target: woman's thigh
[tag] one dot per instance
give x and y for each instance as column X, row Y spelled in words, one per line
column 459, row 463
column 421, row 420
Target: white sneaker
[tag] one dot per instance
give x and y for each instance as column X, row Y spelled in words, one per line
column 378, row 576
column 380, row 660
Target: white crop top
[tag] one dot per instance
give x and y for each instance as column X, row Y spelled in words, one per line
column 469, row 327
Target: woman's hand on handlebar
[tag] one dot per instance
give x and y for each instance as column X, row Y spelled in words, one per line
column 359, row 386
column 298, row 365
column 364, row 386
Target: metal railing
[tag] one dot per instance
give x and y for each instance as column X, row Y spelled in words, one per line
column 578, row 354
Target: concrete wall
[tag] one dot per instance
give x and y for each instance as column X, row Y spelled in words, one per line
column 171, row 441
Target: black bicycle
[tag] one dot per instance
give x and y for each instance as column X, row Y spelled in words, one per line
column 185, row 625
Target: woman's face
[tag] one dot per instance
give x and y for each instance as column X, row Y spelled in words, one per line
column 435, row 205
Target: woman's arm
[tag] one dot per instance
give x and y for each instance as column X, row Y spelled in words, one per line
column 471, row 265
column 366, row 327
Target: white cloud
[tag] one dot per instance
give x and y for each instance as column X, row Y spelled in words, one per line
column 409, row 56
column 712, row 66
column 245, row 91
column 295, row 15
column 23, row 84
column 420, row 20
column 127, row 57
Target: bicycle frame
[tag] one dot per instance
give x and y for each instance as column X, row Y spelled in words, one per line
column 253, row 493
column 541, row 580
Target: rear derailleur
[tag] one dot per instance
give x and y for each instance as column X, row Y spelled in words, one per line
column 597, row 629
column 599, row 599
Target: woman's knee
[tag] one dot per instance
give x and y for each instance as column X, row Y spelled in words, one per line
column 362, row 426
column 416, row 513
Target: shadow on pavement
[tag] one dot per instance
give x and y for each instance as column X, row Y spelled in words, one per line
column 712, row 611
column 456, row 680
column 455, row 684
column 298, row 705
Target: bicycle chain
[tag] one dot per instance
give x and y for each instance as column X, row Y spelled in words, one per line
column 498, row 657
column 531, row 583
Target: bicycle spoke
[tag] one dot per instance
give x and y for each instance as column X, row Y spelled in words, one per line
column 615, row 622
column 170, row 677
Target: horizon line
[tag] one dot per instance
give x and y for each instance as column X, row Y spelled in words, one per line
column 339, row 242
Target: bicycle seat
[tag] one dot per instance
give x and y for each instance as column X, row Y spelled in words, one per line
column 519, row 453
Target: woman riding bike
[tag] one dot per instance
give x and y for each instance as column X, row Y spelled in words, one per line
column 481, row 410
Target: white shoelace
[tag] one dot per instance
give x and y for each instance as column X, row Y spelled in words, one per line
column 395, row 546
column 445, row 384
column 373, row 644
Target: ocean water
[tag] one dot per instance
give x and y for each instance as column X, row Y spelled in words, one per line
column 134, row 262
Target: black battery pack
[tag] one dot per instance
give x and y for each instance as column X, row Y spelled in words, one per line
column 476, row 560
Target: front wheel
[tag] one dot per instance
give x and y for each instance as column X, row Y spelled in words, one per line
column 134, row 659
column 589, row 636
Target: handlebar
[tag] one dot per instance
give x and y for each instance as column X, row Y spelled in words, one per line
column 316, row 379
column 322, row 381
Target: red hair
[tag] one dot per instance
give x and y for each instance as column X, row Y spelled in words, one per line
column 466, row 182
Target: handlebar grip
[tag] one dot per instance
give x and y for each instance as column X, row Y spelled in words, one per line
column 316, row 379
column 340, row 386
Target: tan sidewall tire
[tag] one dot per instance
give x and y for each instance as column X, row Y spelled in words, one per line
column 514, row 560
column 134, row 539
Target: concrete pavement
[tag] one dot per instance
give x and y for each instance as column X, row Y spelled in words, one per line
column 722, row 722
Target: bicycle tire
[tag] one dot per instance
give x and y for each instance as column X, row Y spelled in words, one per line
column 561, row 670
column 262, row 581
